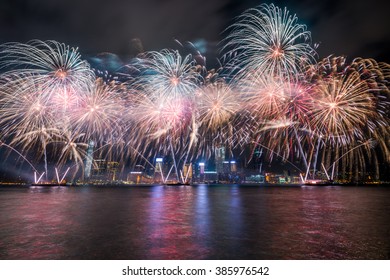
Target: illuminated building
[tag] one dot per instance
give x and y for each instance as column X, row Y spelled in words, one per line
column 88, row 160
column 158, row 170
column 112, row 170
column 99, row 169
column 233, row 166
column 138, row 175
column 219, row 159
column 104, row 171
column 187, row 172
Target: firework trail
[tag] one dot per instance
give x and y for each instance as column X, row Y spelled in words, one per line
column 72, row 148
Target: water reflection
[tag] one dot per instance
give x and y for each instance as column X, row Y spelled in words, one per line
column 199, row 222
column 202, row 219
column 171, row 233
column 28, row 220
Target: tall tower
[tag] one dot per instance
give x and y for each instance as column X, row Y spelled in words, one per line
column 88, row 160
column 158, row 171
column 219, row 159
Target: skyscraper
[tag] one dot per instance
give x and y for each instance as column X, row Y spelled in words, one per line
column 219, row 159
column 88, row 159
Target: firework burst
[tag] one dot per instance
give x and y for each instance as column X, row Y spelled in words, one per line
column 56, row 67
column 268, row 40
column 169, row 74
column 101, row 112
column 157, row 116
column 26, row 117
column 349, row 105
column 216, row 104
column 343, row 107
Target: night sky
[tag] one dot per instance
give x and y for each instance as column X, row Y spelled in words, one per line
column 346, row 27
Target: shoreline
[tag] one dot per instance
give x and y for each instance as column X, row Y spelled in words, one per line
column 243, row 184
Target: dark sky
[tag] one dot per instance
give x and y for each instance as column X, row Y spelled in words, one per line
column 345, row 27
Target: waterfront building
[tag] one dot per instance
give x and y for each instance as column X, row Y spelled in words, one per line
column 219, row 159
column 104, row 170
column 89, row 159
column 188, row 171
column 112, row 170
column 158, row 175
column 98, row 170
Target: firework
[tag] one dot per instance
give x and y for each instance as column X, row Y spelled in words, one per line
column 58, row 69
column 365, row 74
column 71, row 148
column 268, row 40
column 158, row 116
column 169, row 74
column 164, row 109
column 26, row 117
column 264, row 97
column 216, row 104
column 360, row 114
column 101, row 112
column 343, row 107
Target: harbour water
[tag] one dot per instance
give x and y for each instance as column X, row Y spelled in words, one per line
column 195, row 222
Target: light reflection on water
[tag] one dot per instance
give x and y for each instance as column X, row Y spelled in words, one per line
column 199, row 222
